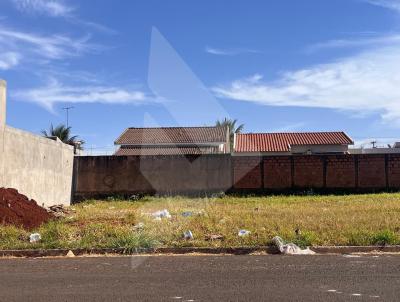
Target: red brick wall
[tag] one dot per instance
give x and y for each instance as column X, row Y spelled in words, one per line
column 308, row 172
column 394, row 170
column 340, row 171
column 277, row 172
column 247, row 172
column 371, row 171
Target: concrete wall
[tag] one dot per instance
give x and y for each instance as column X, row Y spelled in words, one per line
column 37, row 167
column 125, row 175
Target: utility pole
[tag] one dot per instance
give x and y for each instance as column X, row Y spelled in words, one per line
column 67, row 109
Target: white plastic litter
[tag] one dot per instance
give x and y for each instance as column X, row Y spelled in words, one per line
column 188, row 235
column 243, row 233
column 35, row 237
column 139, row 226
column 187, row 214
column 290, row 248
column 161, row 214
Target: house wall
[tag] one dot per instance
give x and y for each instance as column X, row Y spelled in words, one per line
column 37, row 167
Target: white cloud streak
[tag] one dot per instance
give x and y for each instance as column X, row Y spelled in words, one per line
column 390, row 4
column 355, row 43
column 9, row 60
column 365, row 83
column 53, row 8
column 55, row 92
column 229, row 52
column 18, row 45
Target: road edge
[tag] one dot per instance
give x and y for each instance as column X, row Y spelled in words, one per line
column 37, row 253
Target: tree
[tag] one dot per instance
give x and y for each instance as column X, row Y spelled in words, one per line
column 231, row 124
column 64, row 134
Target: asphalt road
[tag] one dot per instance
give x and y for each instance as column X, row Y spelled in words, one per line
column 202, row 278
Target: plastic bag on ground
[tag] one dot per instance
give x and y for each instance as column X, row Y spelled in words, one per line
column 290, row 248
column 161, row 214
column 188, row 235
column 35, row 237
column 243, row 233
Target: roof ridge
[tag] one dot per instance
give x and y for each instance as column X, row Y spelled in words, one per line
column 298, row 132
column 175, row 127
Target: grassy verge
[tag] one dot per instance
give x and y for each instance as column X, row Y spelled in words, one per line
column 371, row 219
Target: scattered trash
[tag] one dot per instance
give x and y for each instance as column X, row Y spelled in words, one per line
column 243, row 233
column 111, row 208
column 35, row 237
column 139, row 226
column 187, row 214
column 213, row 237
column 188, row 235
column 70, row 254
column 135, row 197
column 59, row 210
column 290, row 248
column 218, row 195
column 161, row 214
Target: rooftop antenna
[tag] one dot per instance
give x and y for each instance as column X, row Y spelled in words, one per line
column 374, row 144
column 67, row 109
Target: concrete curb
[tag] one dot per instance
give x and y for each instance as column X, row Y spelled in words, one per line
column 341, row 250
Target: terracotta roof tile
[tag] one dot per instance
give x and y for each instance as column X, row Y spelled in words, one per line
column 281, row 142
column 167, row 151
column 172, row 135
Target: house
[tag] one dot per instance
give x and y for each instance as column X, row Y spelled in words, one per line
column 292, row 143
column 173, row 141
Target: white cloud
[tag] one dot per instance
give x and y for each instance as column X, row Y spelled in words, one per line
column 58, row 8
column 9, row 60
column 365, row 83
column 390, row 4
column 51, row 47
column 55, row 92
column 228, row 52
column 17, row 46
column 53, row 8
column 371, row 41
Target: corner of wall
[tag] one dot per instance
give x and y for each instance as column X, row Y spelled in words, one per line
column 3, row 92
column 3, row 103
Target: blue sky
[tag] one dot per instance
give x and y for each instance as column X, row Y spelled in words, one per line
column 286, row 65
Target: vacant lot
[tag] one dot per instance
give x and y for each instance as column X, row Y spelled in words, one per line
column 321, row 220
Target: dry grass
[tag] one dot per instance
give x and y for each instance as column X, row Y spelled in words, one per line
column 322, row 220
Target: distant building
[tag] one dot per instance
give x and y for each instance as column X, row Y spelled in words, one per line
column 173, row 141
column 292, row 143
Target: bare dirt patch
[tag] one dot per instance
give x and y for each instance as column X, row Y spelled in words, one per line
column 18, row 210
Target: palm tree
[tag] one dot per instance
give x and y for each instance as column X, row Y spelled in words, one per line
column 231, row 124
column 64, row 134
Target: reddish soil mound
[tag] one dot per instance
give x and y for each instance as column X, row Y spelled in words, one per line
column 18, row 210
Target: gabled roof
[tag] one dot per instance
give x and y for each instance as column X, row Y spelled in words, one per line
column 172, row 136
column 281, row 142
column 137, row 151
